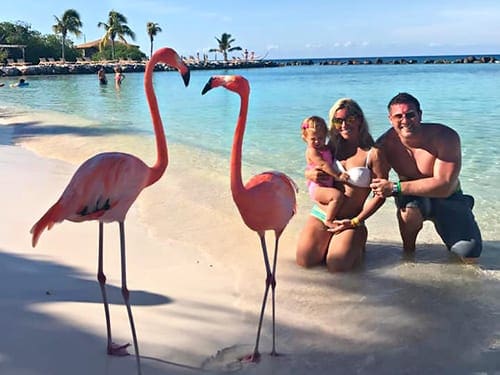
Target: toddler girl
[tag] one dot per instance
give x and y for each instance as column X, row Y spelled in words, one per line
column 318, row 155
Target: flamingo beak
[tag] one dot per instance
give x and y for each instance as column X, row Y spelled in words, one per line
column 185, row 78
column 207, row 87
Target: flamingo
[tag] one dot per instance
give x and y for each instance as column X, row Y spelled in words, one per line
column 266, row 202
column 105, row 186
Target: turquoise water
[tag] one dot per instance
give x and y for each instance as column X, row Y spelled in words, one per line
column 463, row 96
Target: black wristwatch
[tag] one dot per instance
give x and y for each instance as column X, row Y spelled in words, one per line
column 395, row 189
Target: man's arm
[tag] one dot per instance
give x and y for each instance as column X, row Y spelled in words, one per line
column 445, row 171
column 440, row 159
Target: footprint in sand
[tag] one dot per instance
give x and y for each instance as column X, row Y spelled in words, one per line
column 228, row 359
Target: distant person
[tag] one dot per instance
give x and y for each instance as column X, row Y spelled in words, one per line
column 101, row 76
column 319, row 156
column 119, row 77
column 21, row 83
column 427, row 158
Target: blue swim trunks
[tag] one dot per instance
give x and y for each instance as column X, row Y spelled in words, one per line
column 453, row 220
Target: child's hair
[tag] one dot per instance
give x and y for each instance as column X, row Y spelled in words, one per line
column 314, row 124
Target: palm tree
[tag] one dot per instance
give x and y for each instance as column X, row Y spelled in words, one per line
column 225, row 45
column 116, row 27
column 69, row 23
column 153, row 28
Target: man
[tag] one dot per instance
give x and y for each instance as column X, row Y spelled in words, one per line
column 427, row 158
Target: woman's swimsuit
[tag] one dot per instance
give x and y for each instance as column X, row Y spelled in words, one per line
column 358, row 176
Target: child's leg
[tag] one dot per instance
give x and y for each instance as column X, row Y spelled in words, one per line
column 332, row 198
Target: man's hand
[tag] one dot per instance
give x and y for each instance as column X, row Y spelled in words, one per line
column 381, row 187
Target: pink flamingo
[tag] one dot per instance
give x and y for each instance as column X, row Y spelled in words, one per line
column 106, row 185
column 266, row 202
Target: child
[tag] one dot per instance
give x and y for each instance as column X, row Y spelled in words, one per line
column 119, row 77
column 318, row 155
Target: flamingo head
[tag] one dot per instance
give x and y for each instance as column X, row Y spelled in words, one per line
column 168, row 56
column 235, row 83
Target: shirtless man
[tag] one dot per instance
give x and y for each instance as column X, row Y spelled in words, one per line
column 427, row 159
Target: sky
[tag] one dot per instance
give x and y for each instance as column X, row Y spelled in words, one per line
column 287, row 29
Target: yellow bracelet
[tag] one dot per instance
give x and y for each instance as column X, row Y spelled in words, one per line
column 355, row 222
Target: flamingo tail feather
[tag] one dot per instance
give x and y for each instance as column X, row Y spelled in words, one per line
column 51, row 217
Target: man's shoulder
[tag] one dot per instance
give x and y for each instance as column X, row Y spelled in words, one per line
column 437, row 127
column 439, row 131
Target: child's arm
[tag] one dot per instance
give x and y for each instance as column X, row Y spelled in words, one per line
column 314, row 157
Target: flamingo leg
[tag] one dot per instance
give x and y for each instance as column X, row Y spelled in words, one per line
column 255, row 356
column 126, row 294
column 112, row 348
column 273, row 287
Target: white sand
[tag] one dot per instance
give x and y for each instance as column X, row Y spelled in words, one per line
column 196, row 277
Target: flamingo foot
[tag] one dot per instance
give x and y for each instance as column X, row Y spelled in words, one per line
column 118, row 350
column 251, row 358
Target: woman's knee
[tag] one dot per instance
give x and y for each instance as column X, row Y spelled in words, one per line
column 343, row 261
column 312, row 244
column 307, row 257
column 346, row 250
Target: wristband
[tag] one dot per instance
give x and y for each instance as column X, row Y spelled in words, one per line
column 355, row 222
column 396, row 188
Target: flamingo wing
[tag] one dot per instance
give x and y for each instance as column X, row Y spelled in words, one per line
column 103, row 188
column 275, row 193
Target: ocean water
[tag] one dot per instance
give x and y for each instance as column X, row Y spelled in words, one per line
column 463, row 96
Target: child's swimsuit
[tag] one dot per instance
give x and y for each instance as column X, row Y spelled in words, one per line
column 311, row 185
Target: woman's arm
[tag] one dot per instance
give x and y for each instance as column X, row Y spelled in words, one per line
column 379, row 168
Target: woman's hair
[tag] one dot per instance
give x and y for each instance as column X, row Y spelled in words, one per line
column 353, row 109
column 315, row 124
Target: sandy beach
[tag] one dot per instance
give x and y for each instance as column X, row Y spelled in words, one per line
column 196, row 278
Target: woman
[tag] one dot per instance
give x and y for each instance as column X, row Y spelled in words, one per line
column 342, row 247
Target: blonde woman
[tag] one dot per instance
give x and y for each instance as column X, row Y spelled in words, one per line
column 342, row 246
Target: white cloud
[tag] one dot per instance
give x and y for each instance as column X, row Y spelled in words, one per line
column 314, row 45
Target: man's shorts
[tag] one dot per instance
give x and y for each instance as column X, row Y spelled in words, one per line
column 453, row 220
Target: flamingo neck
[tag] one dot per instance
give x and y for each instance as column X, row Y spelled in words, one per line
column 236, row 179
column 157, row 170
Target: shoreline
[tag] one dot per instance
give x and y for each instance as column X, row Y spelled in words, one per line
column 57, row 67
